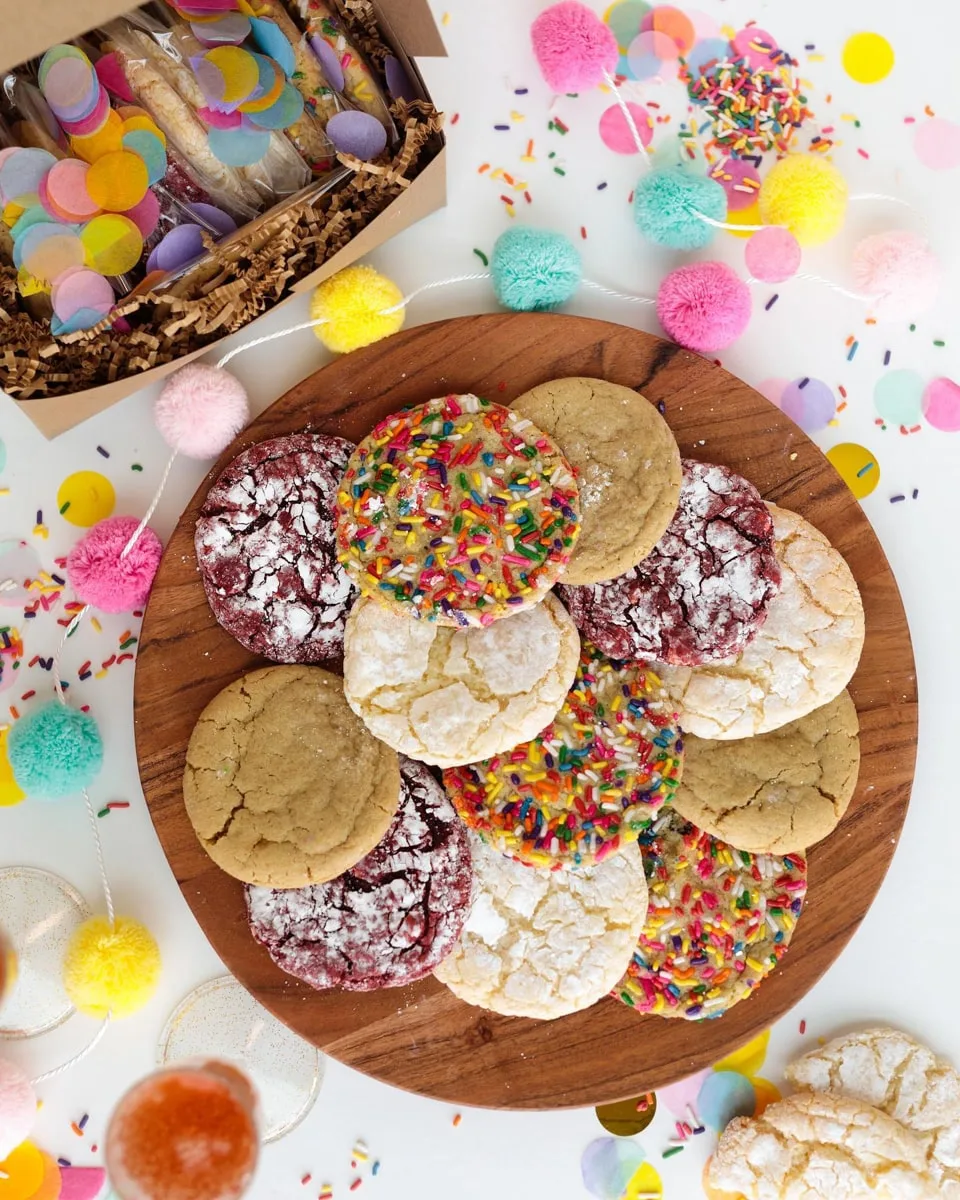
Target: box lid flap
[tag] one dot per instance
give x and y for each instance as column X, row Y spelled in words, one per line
column 411, row 21
column 30, row 28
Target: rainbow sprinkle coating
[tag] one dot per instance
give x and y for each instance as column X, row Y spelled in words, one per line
column 590, row 783
column 459, row 510
column 719, row 921
column 751, row 109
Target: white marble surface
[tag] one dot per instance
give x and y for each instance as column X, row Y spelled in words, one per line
column 900, row 966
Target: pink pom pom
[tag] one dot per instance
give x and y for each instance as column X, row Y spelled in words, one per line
column 704, row 307
column 773, row 255
column 573, row 46
column 102, row 578
column 899, row 271
column 18, row 1107
column 201, row 409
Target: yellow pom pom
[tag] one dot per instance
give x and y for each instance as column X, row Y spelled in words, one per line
column 806, row 194
column 111, row 970
column 352, row 304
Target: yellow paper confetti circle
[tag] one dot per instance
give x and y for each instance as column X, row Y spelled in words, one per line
column 113, row 244
column 10, row 791
column 868, row 57
column 86, row 497
column 856, row 466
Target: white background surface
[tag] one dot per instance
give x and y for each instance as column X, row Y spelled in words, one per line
column 901, row 966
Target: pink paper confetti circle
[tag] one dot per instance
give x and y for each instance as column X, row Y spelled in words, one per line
column 617, row 135
column 653, row 54
column 937, row 143
column 773, row 389
column 735, row 176
column 755, row 45
column 941, row 405
column 773, row 255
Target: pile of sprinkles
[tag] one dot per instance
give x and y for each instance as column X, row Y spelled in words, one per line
column 458, row 510
column 752, row 108
column 719, row 921
column 590, row 783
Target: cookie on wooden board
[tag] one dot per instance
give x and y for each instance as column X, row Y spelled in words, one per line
column 545, row 943
column 392, row 917
column 266, row 545
column 283, row 784
column 452, row 696
column 803, row 656
column 778, row 792
column 703, row 591
column 813, row 1145
column 627, row 464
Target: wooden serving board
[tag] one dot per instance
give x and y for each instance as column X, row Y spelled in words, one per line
column 421, row 1037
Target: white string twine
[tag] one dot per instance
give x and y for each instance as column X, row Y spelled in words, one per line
column 74, row 624
column 726, row 225
column 880, row 196
column 627, row 116
column 269, row 337
column 426, row 287
column 598, row 287
column 835, row 287
column 78, row 1057
column 152, row 508
column 105, row 883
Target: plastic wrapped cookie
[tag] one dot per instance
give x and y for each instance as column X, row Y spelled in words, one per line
column 452, row 696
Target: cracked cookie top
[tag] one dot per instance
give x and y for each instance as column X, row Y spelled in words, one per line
column 392, row 917
column 266, row 545
column 283, row 784
column 719, row 920
column 804, row 655
column 545, row 943
column 457, row 510
column 452, row 696
column 778, row 792
column 588, row 783
column 702, row 593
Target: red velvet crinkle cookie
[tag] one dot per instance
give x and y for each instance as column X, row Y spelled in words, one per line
column 266, row 545
column 389, row 920
column 703, row 592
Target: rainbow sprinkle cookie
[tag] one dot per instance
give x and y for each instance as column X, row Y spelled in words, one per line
column 458, row 510
column 719, row 921
column 590, row 783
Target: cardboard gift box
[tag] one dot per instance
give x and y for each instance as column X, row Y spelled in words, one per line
column 284, row 251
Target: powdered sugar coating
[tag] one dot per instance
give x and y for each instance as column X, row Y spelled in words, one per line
column 703, row 592
column 266, row 545
column 546, row 943
column 389, row 920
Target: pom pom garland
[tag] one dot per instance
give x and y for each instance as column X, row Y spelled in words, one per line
column 807, row 195
column 352, row 304
column 200, row 410
column 111, row 969
column 573, row 47
column 55, row 751
column 666, row 204
column 18, row 1107
column 899, row 271
column 704, row 307
column 534, row 270
column 773, row 255
column 101, row 577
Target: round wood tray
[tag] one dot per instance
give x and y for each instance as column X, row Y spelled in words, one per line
column 421, row 1037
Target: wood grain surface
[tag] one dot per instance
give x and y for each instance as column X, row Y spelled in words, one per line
column 421, row 1037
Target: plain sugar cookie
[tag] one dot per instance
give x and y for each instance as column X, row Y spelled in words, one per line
column 283, row 784
column 392, row 917
column 897, row 1074
column 703, row 591
column 627, row 465
column 452, row 696
column 811, row 1145
column 804, row 655
column 545, row 943
column 458, row 510
column 779, row 792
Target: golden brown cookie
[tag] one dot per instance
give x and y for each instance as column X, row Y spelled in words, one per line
column 777, row 793
column 627, row 464
column 283, row 784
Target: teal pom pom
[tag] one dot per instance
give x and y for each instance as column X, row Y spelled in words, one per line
column 663, row 205
column 534, row 269
column 55, row 751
